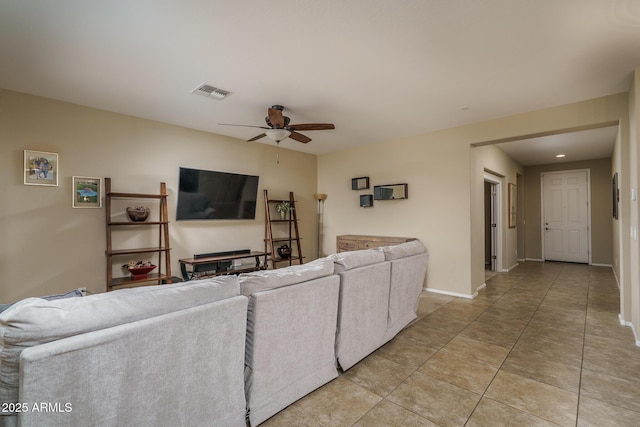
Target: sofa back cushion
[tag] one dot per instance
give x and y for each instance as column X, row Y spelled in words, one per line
column 35, row 321
column 403, row 250
column 263, row 280
column 349, row 260
column 290, row 347
column 72, row 294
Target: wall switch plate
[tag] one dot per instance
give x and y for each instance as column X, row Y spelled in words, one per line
column 634, row 194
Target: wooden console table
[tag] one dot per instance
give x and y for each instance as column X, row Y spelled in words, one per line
column 352, row 242
column 218, row 265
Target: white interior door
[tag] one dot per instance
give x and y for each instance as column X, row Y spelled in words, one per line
column 566, row 216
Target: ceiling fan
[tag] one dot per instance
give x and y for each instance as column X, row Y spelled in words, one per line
column 279, row 127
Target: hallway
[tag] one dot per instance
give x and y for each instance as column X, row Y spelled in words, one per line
column 540, row 345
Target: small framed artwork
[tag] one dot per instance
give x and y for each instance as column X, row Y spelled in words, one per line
column 361, row 183
column 366, row 200
column 40, row 168
column 391, row 192
column 87, row 192
column 513, row 207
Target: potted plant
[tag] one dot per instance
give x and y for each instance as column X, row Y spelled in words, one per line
column 282, row 208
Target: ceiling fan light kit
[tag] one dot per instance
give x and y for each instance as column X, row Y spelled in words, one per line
column 277, row 134
column 279, row 128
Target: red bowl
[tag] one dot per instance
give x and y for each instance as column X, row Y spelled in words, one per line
column 140, row 272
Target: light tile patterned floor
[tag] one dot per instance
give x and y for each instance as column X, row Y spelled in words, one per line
column 540, row 346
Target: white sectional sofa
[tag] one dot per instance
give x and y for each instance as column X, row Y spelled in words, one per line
column 221, row 351
column 156, row 355
column 305, row 319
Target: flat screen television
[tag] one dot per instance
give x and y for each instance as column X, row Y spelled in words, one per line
column 216, row 195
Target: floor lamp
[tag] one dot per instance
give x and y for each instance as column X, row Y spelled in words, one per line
column 320, row 197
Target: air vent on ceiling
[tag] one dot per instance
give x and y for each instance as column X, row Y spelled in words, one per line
column 211, row 91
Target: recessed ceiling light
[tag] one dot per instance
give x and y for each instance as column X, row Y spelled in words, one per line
column 560, row 156
column 465, row 107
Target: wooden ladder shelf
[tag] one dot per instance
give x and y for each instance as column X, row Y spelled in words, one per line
column 162, row 273
column 279, row 231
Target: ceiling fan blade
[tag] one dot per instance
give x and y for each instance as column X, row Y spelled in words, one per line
column 299, row 137
column 276, row 118
column 245, row 126
column 255, row 138
column 312, row 126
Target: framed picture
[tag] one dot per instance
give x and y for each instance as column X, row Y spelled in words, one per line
column 40, row 168
column 615, row 195
column 361, row 183
column 391, row 192
column 513, row 207
column 87, row 192
column 366, row 200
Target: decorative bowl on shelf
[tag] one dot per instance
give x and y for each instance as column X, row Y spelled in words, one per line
column 284, row 251
column 140, row 272
column 138, row 214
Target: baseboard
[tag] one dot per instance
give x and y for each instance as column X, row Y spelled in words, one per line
column 616, row 276
column 535, row 259
column 481, row 287
column 521, row 259
column 602, row 265
column 629, row 325
column 510, row 268
column 451, row 294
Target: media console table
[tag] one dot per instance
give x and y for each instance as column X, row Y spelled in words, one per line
column 220, row 263
column 352, row 242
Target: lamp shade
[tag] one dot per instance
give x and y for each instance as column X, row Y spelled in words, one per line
column 277, row 134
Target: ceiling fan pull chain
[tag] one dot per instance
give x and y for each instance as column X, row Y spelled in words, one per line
column 278, row 152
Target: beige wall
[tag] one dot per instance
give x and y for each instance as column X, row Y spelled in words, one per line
column 444, row 186
column 491, row 159
column 437, row 210
column 631, row 303
column 48, row 247
column 600, row 208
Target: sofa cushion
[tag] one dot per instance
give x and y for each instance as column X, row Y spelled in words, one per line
column 403, row 250
column 349, row 260
column 270, row 279
column 34, row 321
column 74, row 293
column 290, row 347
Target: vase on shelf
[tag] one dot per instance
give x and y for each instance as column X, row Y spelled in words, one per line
column 284, row 251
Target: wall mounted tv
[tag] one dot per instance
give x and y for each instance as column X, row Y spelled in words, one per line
column 216, row 195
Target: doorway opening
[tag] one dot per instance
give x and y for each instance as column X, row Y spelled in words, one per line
column 492, row 222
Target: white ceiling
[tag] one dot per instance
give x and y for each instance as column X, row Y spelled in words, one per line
column 576, row 146
column 378, row 69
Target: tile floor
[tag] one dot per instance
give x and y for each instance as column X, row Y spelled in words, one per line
column 539, row 346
